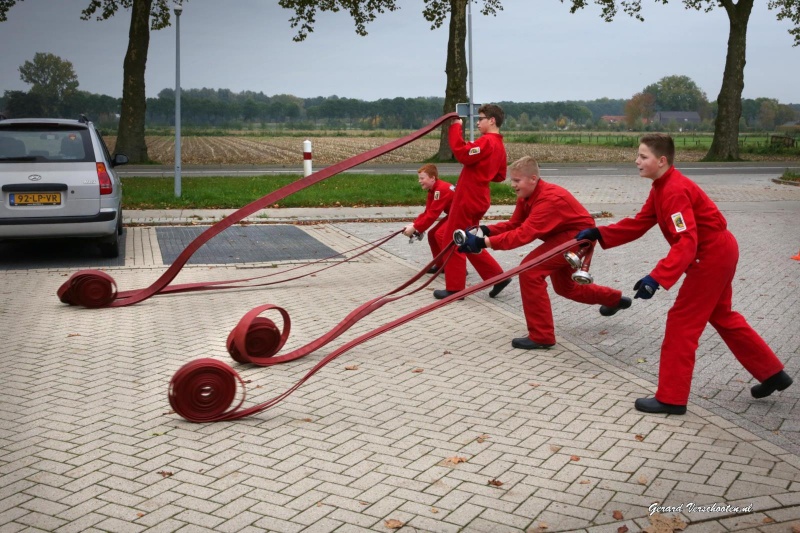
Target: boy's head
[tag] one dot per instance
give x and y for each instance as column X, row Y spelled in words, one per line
column 524, row 174
column 656, row 155
column 491, row 111
column 427, row 175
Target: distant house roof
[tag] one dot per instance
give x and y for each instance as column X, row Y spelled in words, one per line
column 677, row 116
column 613, row 118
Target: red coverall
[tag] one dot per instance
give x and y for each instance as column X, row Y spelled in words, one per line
column 484, row 160
column 440, row 196
column 703, row 248
column 553, row 215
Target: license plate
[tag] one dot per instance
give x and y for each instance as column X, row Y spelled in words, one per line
column 35, row 198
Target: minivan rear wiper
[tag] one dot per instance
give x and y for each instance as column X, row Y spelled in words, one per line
column 20, row 158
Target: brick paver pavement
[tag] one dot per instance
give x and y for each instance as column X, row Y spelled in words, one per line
column 549, row 440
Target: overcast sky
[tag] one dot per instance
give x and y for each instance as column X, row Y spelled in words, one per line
column 533, row 51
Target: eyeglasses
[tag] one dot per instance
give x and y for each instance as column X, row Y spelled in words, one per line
column 482, row 118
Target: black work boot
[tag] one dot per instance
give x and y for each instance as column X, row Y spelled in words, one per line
column 441, row 294
column 524, row 343
column 779, row 381
column 624, row 303
column 498, row 287
column 651, row 405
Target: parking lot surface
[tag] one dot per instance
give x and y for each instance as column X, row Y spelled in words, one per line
column 438, row 425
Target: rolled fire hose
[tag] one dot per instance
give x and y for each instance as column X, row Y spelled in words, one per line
column 95, row 289
column 204, row 390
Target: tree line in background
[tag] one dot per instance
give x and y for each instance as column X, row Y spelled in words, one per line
column 147, row 15
column 54, row 93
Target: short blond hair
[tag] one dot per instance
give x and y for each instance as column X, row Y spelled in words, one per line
column 527, row 166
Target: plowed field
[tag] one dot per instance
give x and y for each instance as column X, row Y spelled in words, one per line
column 329, row 150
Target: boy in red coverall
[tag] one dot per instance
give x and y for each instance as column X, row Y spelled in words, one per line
column 484, row 160
column 440, row 196
column 703, row 249
column 550, row 213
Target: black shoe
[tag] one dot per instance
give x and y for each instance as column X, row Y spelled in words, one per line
column 441, row 294
column 525, row 343
column 432, row 270
column 779, row 381
column 624, row 303
column 651, row 405
column 498, row 288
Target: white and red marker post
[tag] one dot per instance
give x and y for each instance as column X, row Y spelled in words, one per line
column 306, row 157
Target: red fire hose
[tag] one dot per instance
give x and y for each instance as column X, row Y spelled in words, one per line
column 94, row 289
column 204, row 390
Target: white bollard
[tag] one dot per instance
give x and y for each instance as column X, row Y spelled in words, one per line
column 306, row 157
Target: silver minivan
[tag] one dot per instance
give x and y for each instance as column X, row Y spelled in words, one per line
column 57, row 179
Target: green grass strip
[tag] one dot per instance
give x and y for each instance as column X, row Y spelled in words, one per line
column 343, row 190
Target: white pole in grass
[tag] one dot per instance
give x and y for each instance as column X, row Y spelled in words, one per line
column 178, row 11
column 469, row 71
column 306, row 157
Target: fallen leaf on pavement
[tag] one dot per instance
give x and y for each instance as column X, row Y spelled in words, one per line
column 617, row 515
column 434, row 510
column 164, row 473
column 351, row 367
column 574, row 458
column 393, row 524
column 640, row 438
column 482, row 439
column 584, row 482
column 662, row 524
column 622, row 529
column 455, row 460
column 641, row 360
column 554, row 448
column 495, row 483
column 417, row 370
column 642, row 480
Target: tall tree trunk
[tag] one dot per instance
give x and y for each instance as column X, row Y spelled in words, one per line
column 130, row 138
column 456, row 70
column 725, row 146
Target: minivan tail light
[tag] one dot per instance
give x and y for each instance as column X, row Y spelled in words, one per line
column 105, row 180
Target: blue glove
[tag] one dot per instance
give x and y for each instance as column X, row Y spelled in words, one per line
column 589, row 233
column 645, row 288
column 472, row 245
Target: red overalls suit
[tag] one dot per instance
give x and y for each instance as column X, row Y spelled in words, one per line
column 703, row 248
column 484, row 160
column 440, row 196
column 553, row 215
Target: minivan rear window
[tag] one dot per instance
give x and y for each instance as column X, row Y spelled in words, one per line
column 45, row 144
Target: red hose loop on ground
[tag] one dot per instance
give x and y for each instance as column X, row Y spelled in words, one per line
column 346, row 323
column 235, row 414
column 136, row 296
column 203, row 390
column 255, row 338
column 88, row 288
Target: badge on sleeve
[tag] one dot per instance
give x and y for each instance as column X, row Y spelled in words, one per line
column 475, row 151
column 677, row 220
column 436, row 195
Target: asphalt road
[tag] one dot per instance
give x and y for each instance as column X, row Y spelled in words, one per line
column 549, row 169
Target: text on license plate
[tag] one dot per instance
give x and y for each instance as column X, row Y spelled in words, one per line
column 35, row 198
